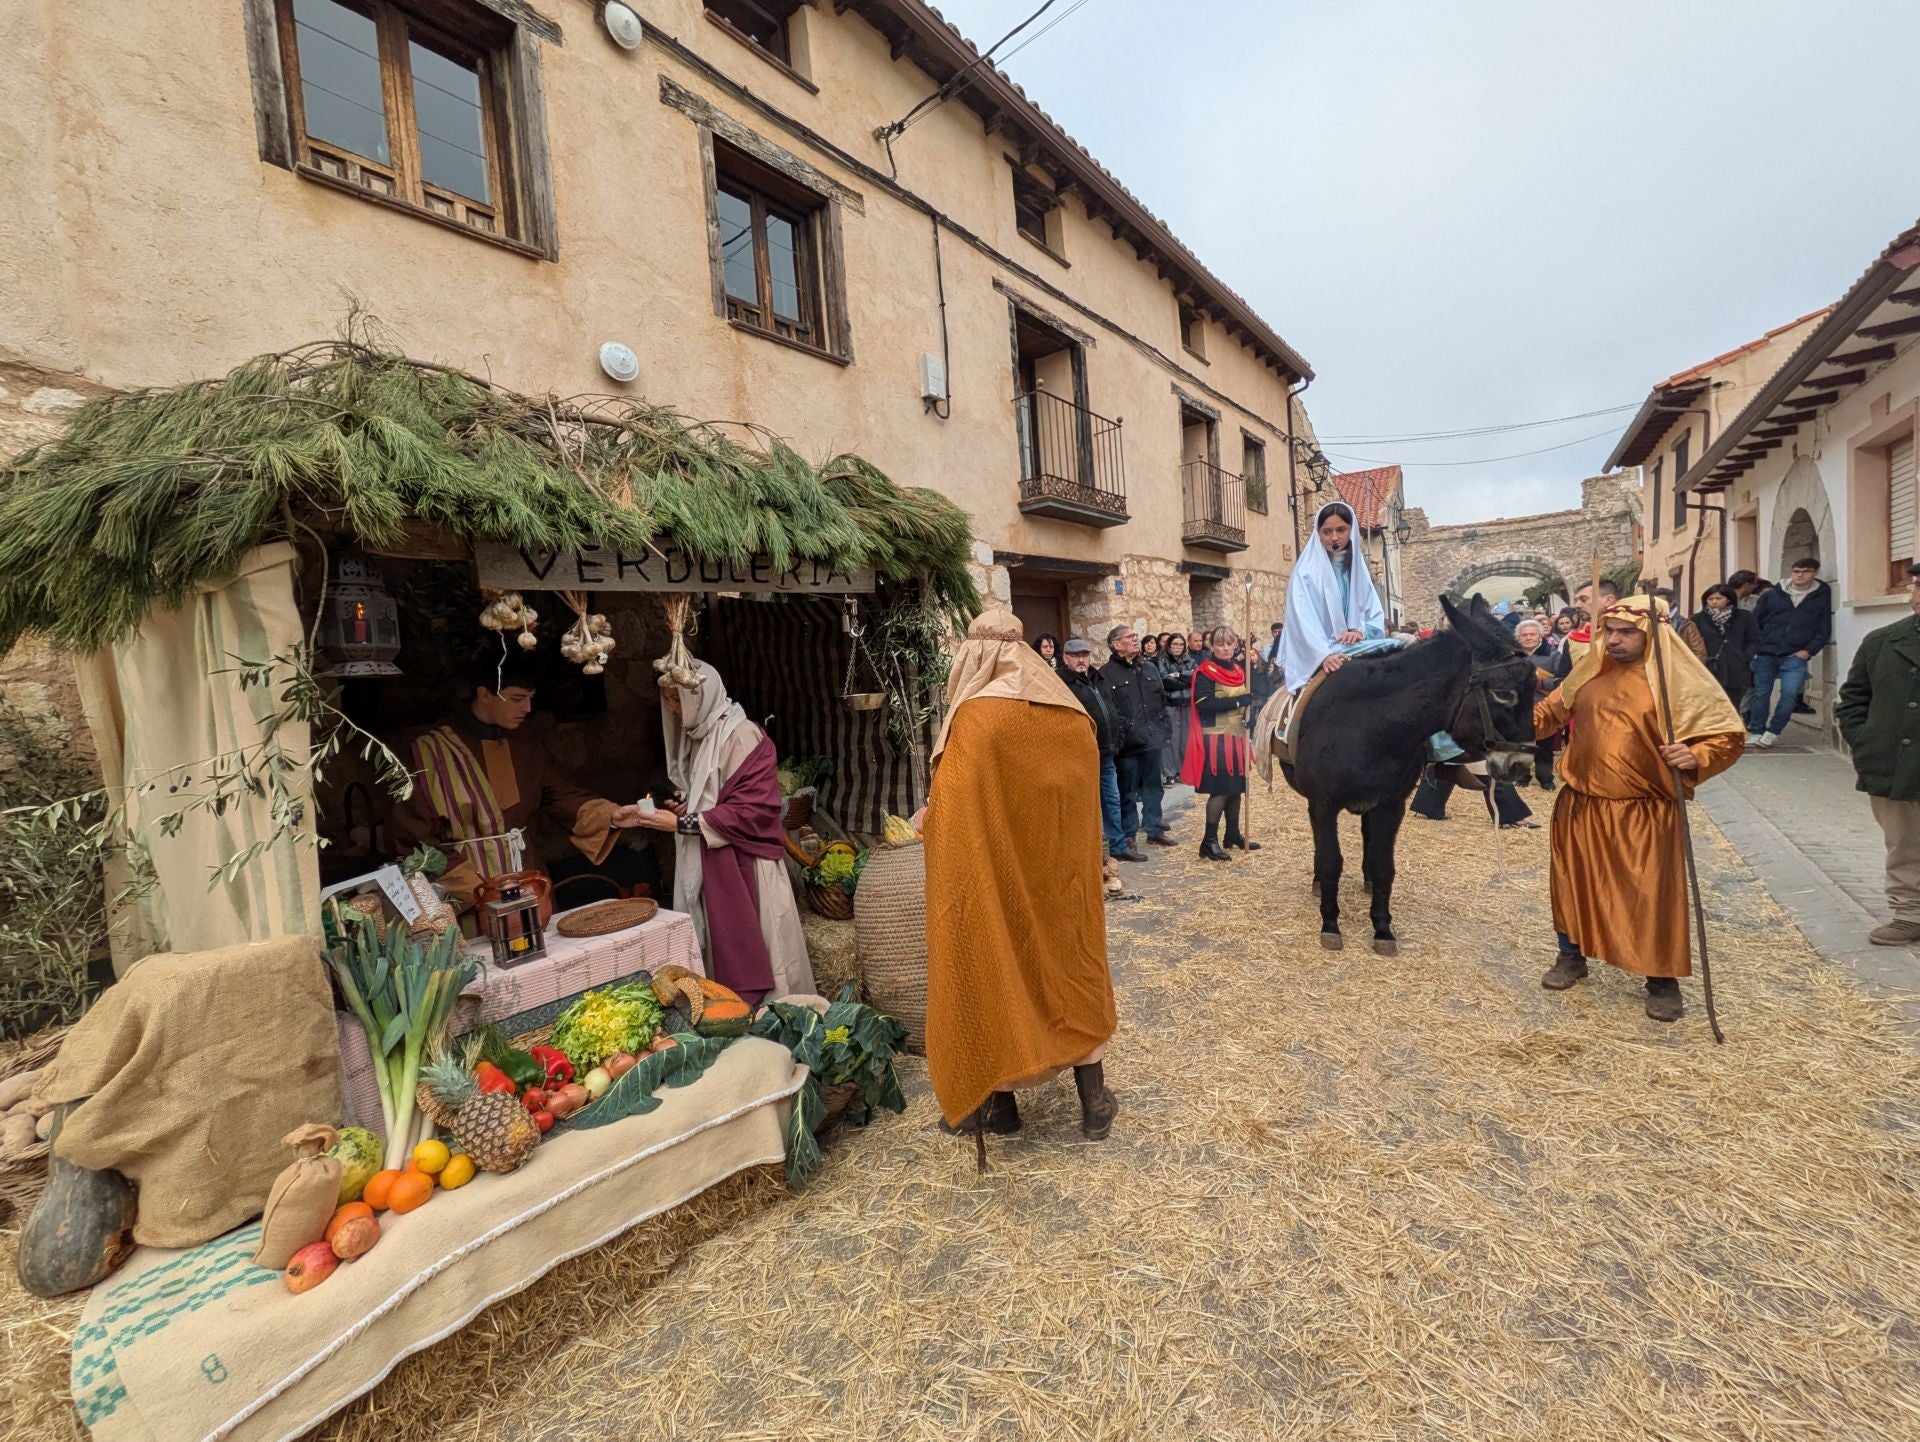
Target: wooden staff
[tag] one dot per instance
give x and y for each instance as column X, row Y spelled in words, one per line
column 1654, row 627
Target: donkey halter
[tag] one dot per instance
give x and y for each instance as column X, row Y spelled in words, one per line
column 1478, row 688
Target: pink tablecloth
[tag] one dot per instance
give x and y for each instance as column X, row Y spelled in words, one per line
column 516, row 998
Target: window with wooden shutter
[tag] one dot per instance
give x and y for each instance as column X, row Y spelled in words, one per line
column 1900, row 511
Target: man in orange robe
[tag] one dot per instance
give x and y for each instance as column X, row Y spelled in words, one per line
column 1619, row 879
column 1017, row 984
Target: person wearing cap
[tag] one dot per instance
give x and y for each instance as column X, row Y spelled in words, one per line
column 1879, row 715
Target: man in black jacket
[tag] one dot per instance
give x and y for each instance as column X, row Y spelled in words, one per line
column 1796, row 622
column 1138, row 701
column 1084, row 682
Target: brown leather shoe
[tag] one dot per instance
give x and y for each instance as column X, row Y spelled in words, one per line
column 1664, row 1002
column 1161, row 841
column 1565, row 972
column 1098, row 1106
column 1896, row 933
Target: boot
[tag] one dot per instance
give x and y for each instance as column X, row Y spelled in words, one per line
column 1235, row 839
column 1663, row 999
column 1210, row 851
column 1097, row 1104
column 1564, row 972
column 1002, row 1117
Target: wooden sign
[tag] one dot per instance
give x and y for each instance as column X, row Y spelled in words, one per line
column 600, row 568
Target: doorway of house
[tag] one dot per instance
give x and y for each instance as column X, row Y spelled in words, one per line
column 1041, row 605
column 1802, row 539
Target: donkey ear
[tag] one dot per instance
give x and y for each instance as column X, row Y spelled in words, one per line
column 1481, row 610
column 1453, row 613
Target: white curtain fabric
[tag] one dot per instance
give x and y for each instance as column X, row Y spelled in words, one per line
column 165, row 706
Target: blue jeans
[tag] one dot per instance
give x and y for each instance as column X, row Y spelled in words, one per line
column 1139, row 778
column 1110, row 807
column 1791, row 672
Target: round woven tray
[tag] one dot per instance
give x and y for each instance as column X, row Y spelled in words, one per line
column 604, row 917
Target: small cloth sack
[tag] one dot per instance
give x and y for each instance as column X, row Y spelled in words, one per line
column 303, row 1198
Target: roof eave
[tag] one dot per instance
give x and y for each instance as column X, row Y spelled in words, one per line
column 940, row 39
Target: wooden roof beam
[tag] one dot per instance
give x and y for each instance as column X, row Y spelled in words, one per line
column 1909, row 296
column 1868, row 356
column 1887, row 331
column 1844, row 378
column 1768, row 432
column 1791, row 420
column 1824, row 398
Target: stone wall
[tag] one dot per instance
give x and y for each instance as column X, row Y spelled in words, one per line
column 1558, row 545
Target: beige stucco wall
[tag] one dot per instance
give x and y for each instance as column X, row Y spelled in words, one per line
column 1731, row 385
column 147, row 243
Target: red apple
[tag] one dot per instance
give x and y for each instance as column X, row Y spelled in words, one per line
column 311, row 1266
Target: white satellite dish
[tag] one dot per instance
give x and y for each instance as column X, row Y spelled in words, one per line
column 623, row 25
column 619, row 361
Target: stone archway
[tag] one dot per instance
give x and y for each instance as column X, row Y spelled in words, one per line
column 1519, row 563
column 1803, row 526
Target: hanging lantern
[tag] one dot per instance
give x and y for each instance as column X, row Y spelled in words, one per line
column 360, row 631
column 513, row 926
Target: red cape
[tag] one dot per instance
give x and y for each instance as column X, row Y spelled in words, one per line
column 1193, row 762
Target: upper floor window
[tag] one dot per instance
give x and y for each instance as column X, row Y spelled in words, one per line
column 1036, row 213
column 1253, row 470
column 401, row 107
column 1680, row 449
column 1193, row 331
column 764, row 22
column 1653, row 511
column 776, row 254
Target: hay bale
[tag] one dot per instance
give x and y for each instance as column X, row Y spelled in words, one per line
column 835, row 958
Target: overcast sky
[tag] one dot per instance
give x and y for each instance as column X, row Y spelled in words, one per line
column 1467, row 213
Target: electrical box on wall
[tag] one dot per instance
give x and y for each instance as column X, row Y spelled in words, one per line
column 933, row 378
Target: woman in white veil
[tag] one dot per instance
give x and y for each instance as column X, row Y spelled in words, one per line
column 1331, row 603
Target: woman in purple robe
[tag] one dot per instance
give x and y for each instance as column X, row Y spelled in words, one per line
column 730, row 869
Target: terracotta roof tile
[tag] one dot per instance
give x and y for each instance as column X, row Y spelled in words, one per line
column 1367, row 492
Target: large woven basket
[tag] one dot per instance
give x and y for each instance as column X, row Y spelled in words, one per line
column 890, row 934
column 830, row 902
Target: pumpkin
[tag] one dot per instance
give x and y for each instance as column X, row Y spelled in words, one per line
column 723, row 1012
column 79, row 1230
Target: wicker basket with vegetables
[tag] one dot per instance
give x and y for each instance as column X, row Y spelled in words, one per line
column 832, row 879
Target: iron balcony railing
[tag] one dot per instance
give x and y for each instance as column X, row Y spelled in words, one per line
column 1214, row 504
column 1071, row 462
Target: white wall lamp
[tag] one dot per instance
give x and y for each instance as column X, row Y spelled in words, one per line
column 623, row 25
column 619, row 362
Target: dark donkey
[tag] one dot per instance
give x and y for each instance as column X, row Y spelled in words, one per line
column 1363, row 741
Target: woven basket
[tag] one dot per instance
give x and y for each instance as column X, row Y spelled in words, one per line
column 838, row 1098
column 890, row 934
column 830, row 901
column 603, row 918
column 800, row 807
column 24, row 1175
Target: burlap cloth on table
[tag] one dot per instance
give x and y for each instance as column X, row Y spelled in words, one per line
column 189, row 1070
column 202, row 1344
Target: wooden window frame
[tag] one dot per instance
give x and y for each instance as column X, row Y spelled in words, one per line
column 1198, row 329
column 1037, row 198
column 1679, row 517
column 1653, row 511
column 1251, row 447
column 822, row 327
column 792, row 64
column 1869, row 575
column 501, row 39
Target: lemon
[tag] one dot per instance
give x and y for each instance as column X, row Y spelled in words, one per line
column 457, row 1172
column 431, row 1156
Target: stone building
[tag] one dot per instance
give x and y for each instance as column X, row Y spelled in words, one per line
column 764, row 211
column 1556, row 546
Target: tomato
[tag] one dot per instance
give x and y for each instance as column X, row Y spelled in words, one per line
column 543, row 1120
column 535, row 1100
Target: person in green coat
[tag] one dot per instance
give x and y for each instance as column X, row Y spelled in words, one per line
column 1879, row 715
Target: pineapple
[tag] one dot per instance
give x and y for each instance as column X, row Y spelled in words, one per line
column 439, row 1068
column 492, row 1127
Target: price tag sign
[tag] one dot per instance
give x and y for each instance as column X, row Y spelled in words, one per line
column 394, row 886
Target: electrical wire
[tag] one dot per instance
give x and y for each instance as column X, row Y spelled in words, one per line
column 1478, row 430
column 1479, row 461
column 1062, row 16
column 955, row 82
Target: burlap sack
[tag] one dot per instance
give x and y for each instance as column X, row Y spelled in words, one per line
column 303, row 1198
column 182, row 1346
column 190, row 1070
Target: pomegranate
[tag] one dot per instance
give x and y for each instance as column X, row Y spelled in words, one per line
column 311, row 1266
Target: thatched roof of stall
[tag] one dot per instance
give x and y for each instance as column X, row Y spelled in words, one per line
column 148, row 493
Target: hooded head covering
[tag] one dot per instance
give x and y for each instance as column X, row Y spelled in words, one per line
column 696, row 739
column 1322, row 603
column 994, row 661
column 1698, row 703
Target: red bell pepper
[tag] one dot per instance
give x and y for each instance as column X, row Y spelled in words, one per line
column 559, row 1069
column 492, row 1079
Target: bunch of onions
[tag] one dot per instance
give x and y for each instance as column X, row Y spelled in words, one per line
column 510, row 612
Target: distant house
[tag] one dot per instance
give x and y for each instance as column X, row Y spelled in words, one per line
column 1820, row 461
column 1686, row 548
column 1379, row 508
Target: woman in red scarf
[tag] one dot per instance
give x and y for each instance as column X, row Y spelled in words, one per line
column 1217, row 748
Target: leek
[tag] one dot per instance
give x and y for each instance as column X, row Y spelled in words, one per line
column 402, row 992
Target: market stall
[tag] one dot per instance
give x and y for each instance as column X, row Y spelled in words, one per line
column 270, row 582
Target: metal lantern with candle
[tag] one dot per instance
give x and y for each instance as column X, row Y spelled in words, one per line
column 513, row 927
column 360, row 629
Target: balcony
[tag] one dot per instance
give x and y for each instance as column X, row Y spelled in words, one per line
column 1214, row 507
column 1071, row 467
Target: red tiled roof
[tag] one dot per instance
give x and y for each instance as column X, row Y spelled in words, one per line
column 1367, row 493
column 1707, row 368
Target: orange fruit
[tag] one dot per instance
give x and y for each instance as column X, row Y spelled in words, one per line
column 346, row 1214
column 457, row 1172
column 410, row 1191
column 379, row 1190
